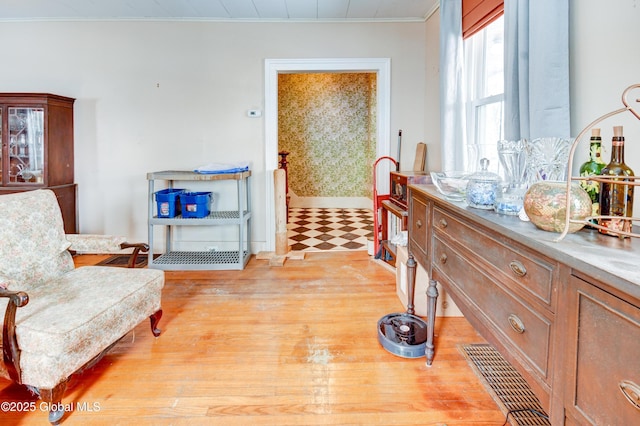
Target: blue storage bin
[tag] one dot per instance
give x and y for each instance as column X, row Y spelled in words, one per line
column 168, row 202
column 195, row 204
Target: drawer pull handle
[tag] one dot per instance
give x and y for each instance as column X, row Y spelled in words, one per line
column 443, row 258
column 443, row 223
column 419, row 223
column 518, row 268
column 631, row 391
column 516, row 323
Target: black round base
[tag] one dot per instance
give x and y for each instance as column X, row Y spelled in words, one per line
column 403, row 334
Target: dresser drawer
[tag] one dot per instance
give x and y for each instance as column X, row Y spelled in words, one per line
column 419, row 220
column 530, row 272
column 603, row 374
column 508, row 317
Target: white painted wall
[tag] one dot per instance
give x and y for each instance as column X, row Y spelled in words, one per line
column 605, row 60
column 432, row 93
column 174, row 95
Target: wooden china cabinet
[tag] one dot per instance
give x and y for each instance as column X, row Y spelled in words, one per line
column 37, row 148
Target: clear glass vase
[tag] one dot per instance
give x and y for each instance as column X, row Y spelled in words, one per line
column 513, row 157
column 547, row 159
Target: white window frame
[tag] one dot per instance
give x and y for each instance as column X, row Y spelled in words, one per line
column 475, row 77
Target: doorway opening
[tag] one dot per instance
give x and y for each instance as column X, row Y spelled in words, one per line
column 275, row 67
column 327, row 127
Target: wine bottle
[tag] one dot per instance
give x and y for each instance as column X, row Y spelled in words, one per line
column 593, row 167
column 616, row 197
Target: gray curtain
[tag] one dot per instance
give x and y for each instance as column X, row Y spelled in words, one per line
column 452, row 115
column 536, row 69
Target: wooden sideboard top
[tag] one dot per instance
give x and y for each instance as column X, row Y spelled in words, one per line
column 614, row 261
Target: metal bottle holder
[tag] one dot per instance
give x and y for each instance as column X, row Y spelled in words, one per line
column 630, row 180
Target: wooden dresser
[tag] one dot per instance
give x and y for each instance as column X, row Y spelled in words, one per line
column 566, row 314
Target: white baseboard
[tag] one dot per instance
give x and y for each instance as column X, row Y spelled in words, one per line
column 331, row 202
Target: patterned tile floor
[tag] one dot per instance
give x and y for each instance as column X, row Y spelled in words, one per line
column 320, row 229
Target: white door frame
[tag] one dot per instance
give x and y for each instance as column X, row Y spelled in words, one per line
column 381, row 66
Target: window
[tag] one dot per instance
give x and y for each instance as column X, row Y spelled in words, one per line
column 484, row 106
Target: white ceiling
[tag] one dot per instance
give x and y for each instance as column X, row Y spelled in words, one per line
column 219, row 10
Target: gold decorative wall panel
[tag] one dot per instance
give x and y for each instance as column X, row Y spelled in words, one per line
column 327, row 122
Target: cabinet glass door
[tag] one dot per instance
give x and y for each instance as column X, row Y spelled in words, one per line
column 26, row 145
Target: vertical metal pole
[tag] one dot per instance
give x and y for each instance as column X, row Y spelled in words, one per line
column 239, row 184
column 247, row 191
column 149, row 225
column 399, row 150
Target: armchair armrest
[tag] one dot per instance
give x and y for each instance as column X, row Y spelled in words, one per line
column 10, row 349
column 102, row 244
column 137, row 248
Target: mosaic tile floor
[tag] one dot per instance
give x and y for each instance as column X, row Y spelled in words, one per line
column 321, row 229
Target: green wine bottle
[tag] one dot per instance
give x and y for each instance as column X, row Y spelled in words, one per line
column 616, row 197
column 593, row 167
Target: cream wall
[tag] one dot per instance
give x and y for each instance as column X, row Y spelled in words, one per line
column 174, row 95
column 432, row 93
column 604, row 60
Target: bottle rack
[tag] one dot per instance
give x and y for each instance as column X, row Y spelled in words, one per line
column 631, row 180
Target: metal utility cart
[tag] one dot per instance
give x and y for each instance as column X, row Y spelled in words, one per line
column 207, row 259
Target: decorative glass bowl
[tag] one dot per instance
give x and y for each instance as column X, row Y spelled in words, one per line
column 451, row 184
column 546, row 205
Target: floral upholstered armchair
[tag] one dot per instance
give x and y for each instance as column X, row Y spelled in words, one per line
column 58, row 319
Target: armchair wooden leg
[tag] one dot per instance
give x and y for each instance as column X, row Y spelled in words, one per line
column 155, row 319
column 53, row 398
column 137, row 249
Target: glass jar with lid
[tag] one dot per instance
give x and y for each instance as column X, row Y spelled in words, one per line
column 483, row 187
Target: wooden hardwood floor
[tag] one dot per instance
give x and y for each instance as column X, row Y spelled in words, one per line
column 291, row 345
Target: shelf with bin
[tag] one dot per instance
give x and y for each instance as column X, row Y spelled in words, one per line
column 200, row 260
column 629, row 180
